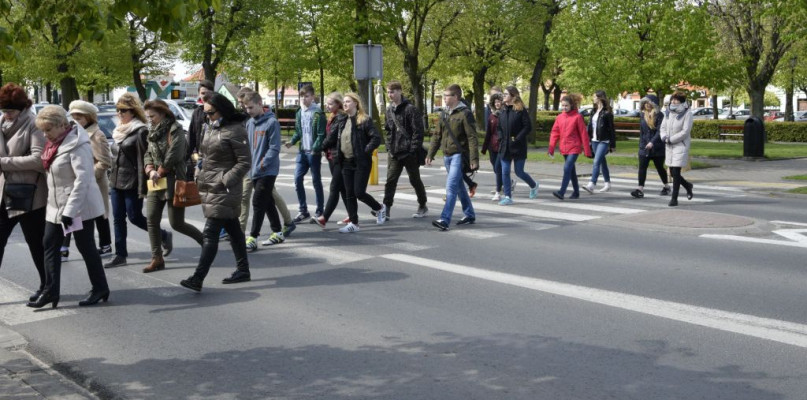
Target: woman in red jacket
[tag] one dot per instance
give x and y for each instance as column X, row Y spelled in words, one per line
column 570, row 131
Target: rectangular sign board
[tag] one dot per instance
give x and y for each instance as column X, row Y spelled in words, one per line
column 367, row 61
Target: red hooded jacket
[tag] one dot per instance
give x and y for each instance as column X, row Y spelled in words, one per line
column 571, row 131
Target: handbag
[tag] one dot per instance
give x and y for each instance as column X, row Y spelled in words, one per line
column 186, row 194
column 19, row 196
column 466, row 158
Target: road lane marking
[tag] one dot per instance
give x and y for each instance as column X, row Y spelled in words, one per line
column 763, row 328
column 12, row 306
column 520, row 211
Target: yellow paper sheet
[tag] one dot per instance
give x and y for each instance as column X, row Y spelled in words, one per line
column 162, row 184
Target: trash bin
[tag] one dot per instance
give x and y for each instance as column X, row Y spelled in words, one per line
column 754, row 138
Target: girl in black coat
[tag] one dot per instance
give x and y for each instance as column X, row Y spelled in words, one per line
column 514, row 126
column 650, row 145
column 602, row 136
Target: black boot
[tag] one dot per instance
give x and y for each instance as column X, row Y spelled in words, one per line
column 193, row 283
column 35, row 295
column 95, row 297
column 673, row 203
column 43, row 300
column 237, row 277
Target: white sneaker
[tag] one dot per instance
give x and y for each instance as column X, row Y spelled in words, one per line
column 589, row 187
column 605, row 188
column 349, row 228
column 496, row 197
column 381, row 216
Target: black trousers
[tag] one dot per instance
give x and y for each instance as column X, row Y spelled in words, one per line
column 336, row 190
column 678, row 181
column 658, row 162
column 394, row 169
column 85, row 242
column 210, row 245
column 355, row 179
column 104, row 235
column 33, row 229
column 263, row 203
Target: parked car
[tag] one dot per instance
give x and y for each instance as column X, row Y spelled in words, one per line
column 799, row 116
column 703, row 113
column 736, row 114
column 182, row 114
column 107, row 121
column 585, row 111
column 37, row 107
column 622, row 112
column 773, row 115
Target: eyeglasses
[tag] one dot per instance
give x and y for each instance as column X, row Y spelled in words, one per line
column 209, row 113
column 123, row 110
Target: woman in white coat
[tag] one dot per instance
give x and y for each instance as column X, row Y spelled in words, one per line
column 73, row 200
column 675, row 133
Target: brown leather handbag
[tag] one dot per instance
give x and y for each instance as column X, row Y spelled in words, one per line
column 186, row 194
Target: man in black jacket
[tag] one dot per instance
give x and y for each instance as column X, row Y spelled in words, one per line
column 404, row 126
column 196, row 129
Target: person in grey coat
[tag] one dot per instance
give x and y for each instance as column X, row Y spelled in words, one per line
column 74, row 202
column 226, row 159
column 675, row 133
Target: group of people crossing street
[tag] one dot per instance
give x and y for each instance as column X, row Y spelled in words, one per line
column 60, row 176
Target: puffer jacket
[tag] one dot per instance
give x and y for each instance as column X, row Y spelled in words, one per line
column 461, row 121
column 127, row 170
column 364, row 138
column 20, row 151
column 227, row 161
column 675, row 133
column 169, row 157
column 648, row 134
column 72, row 189
column 570, row 130
column 102, row 158
column 514, row 126
column 605, row 128
column 402, row 144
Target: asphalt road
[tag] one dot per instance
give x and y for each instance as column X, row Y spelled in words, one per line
column 605, row 297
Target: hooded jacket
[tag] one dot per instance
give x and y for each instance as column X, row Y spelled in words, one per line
column 461, row 122
column 264, row 143
column 675, row 133
column 20, row 151
column 570, row 131
column 514, row 126
column 402, row 144
column 169, row 157
column 72, row 189
column 227, row 160
column 648, row 134
column 364, row 138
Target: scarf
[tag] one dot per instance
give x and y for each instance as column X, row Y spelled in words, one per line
column 51, row 147
column 156, row 132
column 123, row 130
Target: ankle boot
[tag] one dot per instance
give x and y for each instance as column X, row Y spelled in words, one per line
column 157, row 264
column 43, row 300
column 94, row 297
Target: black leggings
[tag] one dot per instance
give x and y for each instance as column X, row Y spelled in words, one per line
column 336, row 190
column 644, row 162
column 85, row 242
column 33, row 229
column 355, row 179
column 678, row 181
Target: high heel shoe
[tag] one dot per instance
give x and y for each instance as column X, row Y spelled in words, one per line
column 35, row 296
column 43, row 300
column 95, row 297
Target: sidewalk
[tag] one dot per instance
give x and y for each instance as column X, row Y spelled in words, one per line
column 24, row 378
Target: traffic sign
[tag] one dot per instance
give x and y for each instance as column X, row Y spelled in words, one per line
column 368, row 61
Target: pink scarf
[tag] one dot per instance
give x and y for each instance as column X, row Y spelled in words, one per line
column 51, row 147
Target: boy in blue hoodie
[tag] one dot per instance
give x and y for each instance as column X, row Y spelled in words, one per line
column 263, row 133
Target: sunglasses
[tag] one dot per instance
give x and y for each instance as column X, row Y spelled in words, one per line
column 123, row 110
column 209, row 113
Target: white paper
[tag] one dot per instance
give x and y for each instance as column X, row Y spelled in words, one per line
column 75, row 226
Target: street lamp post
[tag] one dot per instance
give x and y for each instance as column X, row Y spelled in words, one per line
column 789, row 115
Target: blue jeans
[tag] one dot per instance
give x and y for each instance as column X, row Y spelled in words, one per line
column 569, row 173
column 497, row 169
column 306, row 161
column 126, row 203
column 600, row 150
column 454, row 188
column 519, row 173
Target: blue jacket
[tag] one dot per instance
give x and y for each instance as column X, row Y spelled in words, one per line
column 263, row 134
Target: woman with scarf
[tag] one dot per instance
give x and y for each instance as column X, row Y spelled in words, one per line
column 86, row 115
column 128, row 179
column 354, row 139
column 492, row 141
column 675, row 133
column 165, row 158
column 74, row 202
column 334, row 104
column 226, row 160
column 21, row 144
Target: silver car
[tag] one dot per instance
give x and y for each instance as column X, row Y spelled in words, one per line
column 703, row 113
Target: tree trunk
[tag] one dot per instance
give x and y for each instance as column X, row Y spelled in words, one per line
column 69, row 90
column 479, row 98
column 411, row 67
column 547, row 92
column 535, row 82
column 789, row 104
column 91, row 95
column 434, row 82
column 257, row 86
column 757, row 96
column 556, row 101
column 49, row 92
column 714, row 106
column 1, row 77
column 321, row 85
column 138, row 83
